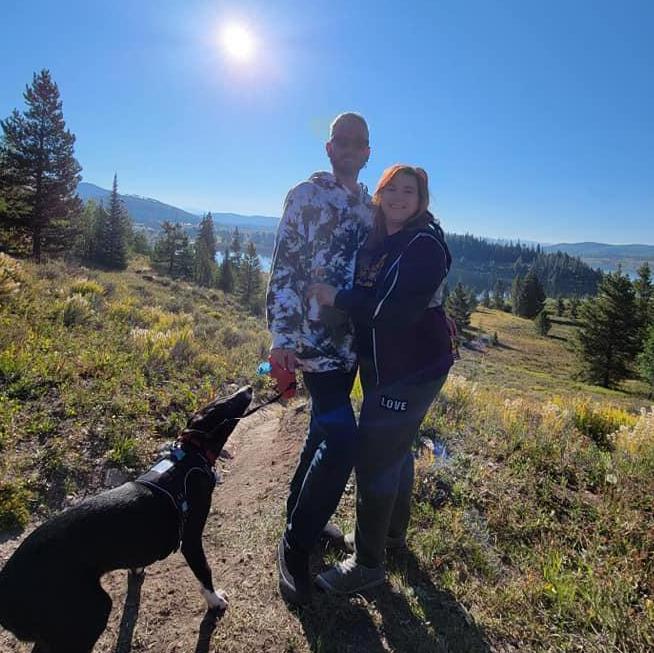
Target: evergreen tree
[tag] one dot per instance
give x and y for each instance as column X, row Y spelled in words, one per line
column 644, row 297
column 249, row 278
column 458, row 306
column 516, row 296
column 498, row 295
column 172, row 252
column 236, row 249
column 226, row 281
column 84, row 223
column 113, row 248
column 139, row 243
column 574, row 307
column 560, row 306
column 646, row 360
column 205, row 253
column 39, row 173
column 486, row 299
column 531, row 299
column 542, row 323
column 608, row 335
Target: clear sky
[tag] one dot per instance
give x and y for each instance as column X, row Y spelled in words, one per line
column 534, row 119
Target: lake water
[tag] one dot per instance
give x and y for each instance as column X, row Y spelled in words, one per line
column 266, row 261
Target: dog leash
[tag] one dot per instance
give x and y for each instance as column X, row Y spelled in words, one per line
column 277, row 397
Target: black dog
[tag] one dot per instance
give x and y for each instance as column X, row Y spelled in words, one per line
column 128, row 527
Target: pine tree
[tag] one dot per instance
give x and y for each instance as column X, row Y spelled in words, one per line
column 458, row 306
column 646, row 360
column 249, row 278
column 498, row 295
column 205, row 253
column 236, row 249
column 84, row 222
column 574, row 307
column 608, row 334
column 542, row 323
column 172, row 252
column 560, row 306
column 644, row 297
column 113, row 250
column 486, row 299
column 39, row 173
column 516, row 296
column 226, row 281
column 531, row 298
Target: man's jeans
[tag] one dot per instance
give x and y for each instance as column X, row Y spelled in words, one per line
column 390, row 418
column 326, row 460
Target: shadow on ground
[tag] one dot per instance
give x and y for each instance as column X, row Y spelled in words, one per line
column 420, row 619
column 131, row 613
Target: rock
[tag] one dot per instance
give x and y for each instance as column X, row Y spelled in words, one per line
column 115, row 477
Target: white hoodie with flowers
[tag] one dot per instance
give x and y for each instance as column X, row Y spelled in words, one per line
column 322, row 227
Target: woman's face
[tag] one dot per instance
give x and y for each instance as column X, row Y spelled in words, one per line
column 399, row 201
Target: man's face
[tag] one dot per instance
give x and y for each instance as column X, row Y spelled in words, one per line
column 348, row 149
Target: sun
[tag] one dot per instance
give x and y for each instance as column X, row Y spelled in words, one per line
column 238, row 42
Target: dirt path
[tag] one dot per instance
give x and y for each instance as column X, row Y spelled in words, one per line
column 240, row 540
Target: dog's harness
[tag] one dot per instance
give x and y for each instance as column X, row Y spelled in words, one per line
column 169, row 476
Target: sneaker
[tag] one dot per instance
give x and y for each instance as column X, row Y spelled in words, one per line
column 392, row 543
column 294, row 576
column 348, row 577
column 332, row 536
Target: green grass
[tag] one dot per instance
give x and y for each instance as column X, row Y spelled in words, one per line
column 97, row 367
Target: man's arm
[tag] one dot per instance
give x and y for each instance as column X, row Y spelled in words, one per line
column 288, row 275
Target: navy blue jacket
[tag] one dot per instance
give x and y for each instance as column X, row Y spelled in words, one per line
column 395, row 305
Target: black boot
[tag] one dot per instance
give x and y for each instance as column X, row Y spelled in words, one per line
column 294, row 576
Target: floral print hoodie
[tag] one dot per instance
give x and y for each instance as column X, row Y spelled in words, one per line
column 322, row 227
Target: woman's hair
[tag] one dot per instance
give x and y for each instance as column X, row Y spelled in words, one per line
column 421, row 218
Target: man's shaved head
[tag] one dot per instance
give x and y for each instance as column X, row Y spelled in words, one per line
column 348, row 117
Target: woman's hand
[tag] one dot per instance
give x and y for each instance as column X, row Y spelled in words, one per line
column 323, row 292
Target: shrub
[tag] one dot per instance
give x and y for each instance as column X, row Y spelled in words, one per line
column 14, row 505
column 11, row 275
column 598, row 421
column 87, row 287
column 77, row 310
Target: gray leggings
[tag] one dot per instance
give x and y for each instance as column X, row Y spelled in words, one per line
column 390, row 418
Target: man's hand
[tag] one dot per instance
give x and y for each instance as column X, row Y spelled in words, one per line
column 284, row 358
column 323, row 292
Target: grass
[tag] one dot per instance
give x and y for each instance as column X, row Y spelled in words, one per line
column 536, row 534
column 98, row 367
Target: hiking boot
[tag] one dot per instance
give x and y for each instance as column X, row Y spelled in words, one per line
column 392, row 543
column 294, row 576
column 332, row 536
column 349, row 577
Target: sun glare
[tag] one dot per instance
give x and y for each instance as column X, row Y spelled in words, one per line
column 237, row 42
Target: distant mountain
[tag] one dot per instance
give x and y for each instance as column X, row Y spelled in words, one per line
column 602, row 250
column 608, row 257
column 151, row 212
column 143, row 210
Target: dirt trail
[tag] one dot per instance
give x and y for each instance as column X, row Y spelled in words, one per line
column 246, row 515
column 409, row 614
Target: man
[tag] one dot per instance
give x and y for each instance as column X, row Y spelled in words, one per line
column 324, row 222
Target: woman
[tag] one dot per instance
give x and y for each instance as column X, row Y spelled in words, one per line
column 404, row 349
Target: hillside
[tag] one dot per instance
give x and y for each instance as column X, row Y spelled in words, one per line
column 151, row 213
column 533, row 532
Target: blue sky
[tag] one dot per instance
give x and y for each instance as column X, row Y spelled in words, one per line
column 534, row 119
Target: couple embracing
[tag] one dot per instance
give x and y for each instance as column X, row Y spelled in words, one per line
column 356, row 284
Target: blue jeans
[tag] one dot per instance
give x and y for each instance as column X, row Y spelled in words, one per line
column 326, row 460
column 390, row 418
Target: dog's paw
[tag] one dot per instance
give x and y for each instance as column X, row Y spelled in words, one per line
column 215, row 600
